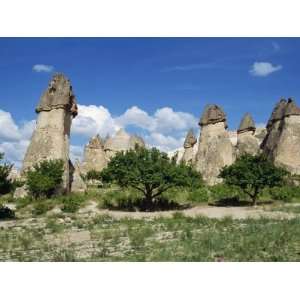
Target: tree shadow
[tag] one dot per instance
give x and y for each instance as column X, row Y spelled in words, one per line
column 158, row 204
column 236, row 202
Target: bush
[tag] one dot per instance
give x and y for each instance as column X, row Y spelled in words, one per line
column 198, row 195
column 285, row 193
column 72, row 203
column 5, row 183
column 6, row 213
column 41, row 207
column 45, row 178
column 222, row 191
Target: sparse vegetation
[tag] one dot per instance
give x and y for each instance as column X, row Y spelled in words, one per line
column 177, row 238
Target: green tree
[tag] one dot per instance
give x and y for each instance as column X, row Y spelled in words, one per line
column 149, row 171
column 5, row 183
column 252, row 174
column 45, row 178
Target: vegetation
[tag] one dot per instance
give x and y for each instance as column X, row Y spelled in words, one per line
column 5, row 183
column 252, row 174
column 149, row 171
column 177, row 238
column 45, row 178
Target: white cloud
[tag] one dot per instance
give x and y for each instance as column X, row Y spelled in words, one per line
column 92, row 120
column 9, row 130
column 42, row 68
column 263, row 69
column 164, row 120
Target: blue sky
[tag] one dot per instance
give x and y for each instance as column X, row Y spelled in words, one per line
column 184, row 74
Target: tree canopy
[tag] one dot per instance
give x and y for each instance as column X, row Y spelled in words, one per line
column 5, row 168
column 149, row 171
column 252, row 174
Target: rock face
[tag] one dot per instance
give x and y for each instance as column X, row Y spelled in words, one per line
column 215, row 149
column 94, row 157
column 122, row 141
column 77, row 183
column 247, row 143
column 188, row 145
column 50, row 139
column 273, row 129
column 283, row 138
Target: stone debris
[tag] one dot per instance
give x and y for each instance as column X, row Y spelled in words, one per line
column 215, row 149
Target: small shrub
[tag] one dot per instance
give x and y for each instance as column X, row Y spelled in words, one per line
column 198, row 195
column 285, row 193
column 223, row 191
column 6, row 213
column 72, row 203
column 45, row 178
column 41, row 207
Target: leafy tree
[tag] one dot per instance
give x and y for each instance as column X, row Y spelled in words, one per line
column 5, row 183
column 45, row 178
column 252, row 174
column 93, row 175
column 149, row 171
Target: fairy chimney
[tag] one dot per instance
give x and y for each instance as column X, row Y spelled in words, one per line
column 215, row 149
column 247, row 143
column 285, row 151
column 94, row 157
column 50, row 140
column 188, row 145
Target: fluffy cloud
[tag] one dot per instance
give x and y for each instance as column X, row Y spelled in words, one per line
column 93, row 120
column 42, row 68
column 165, row 120
column 263, row 69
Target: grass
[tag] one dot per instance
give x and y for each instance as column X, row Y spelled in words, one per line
column 177, row 238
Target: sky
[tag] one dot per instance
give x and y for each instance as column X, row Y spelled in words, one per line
column 155, row 87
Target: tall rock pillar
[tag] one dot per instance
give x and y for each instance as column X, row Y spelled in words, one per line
column 286, row 152
column 215, row 149
column 50, row 139
column 189, row 143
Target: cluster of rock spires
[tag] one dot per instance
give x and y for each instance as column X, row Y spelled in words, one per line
column 215, row 148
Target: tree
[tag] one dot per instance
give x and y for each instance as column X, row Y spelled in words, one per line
column 252, row 174
column 45, row 178
column 5, row 183
column 150, row 172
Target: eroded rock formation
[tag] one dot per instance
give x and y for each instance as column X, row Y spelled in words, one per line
column 247, row 143
column 282, row 142
column 215, row 149
column 94, row 157
column 188, row 145
column 50, row 139
column 122, row 141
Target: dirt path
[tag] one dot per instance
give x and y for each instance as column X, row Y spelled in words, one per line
column 207, row 211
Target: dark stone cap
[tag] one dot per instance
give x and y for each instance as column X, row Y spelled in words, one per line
column 59, row 94
column 212, row 114
column 291, row 108
column 247, row 124
column 278, row 112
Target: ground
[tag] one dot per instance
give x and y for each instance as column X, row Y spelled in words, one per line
column 201, row 233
